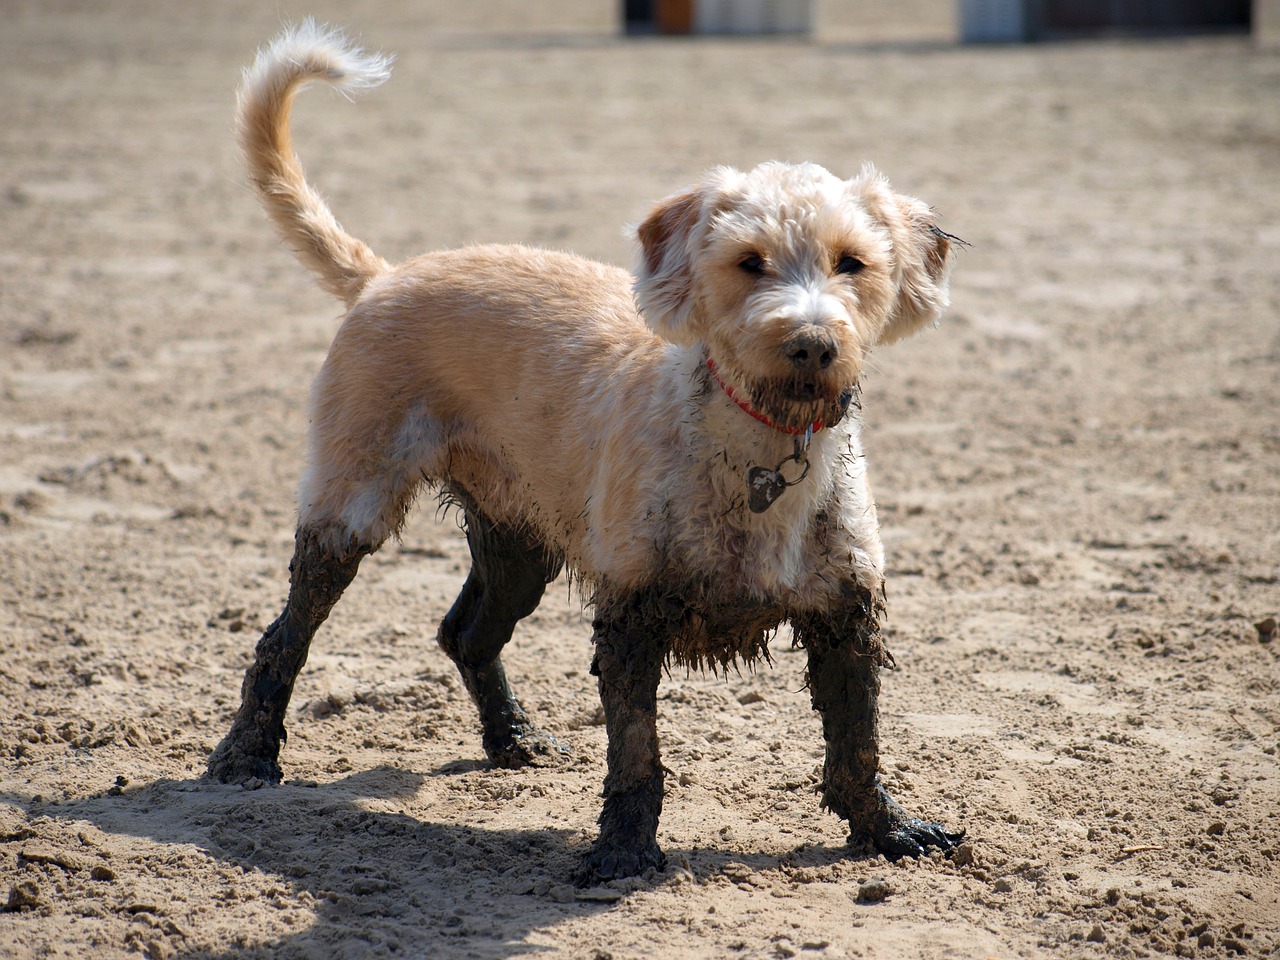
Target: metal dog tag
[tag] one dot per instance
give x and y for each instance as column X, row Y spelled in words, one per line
column 764, row 486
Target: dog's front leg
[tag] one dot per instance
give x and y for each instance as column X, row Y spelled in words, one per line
column 845, row 656
column 631, row 638
column 317, row 577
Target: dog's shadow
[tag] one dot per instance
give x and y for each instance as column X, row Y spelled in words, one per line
column 376, row 878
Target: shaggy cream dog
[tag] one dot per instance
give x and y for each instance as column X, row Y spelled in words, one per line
column 680, row 441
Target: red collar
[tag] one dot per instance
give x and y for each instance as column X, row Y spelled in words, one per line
column 793, row 431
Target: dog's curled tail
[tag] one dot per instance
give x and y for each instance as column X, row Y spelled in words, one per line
column 303, row 54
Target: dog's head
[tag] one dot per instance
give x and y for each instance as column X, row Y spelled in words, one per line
column 787, row 276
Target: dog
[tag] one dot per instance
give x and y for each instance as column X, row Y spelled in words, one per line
column 685, row 443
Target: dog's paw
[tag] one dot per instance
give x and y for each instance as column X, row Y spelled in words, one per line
column 608, row 861
column 231, row 763
column 524, row 746
column 897, row 835
column 911, row 837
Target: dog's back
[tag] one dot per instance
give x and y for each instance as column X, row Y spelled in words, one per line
column 509, row 368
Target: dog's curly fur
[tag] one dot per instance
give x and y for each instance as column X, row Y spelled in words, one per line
column 589, row 419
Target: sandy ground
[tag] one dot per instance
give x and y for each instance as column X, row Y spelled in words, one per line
column 1077, row 473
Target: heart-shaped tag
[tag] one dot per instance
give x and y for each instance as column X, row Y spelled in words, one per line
column 763, row 487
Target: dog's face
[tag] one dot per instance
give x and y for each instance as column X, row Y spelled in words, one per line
column 787, row 275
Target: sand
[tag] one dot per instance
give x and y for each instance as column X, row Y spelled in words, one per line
column 1076, row 470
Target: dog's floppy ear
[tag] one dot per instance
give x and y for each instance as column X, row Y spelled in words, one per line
column 664, row 278
column 670, row 237
column 922, row 256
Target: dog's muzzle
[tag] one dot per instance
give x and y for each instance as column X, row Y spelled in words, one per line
column 796, row 405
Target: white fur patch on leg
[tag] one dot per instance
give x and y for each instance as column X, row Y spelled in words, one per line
column 368, row 511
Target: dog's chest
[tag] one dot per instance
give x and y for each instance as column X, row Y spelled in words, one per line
column 675, row 508
column 791, row 555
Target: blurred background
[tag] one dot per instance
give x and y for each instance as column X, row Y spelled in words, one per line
column 1076, row 475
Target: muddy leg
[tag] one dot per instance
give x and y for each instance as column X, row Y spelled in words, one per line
column 631, row 642
column 845, row 657
column 509, row 573
column 317, row 577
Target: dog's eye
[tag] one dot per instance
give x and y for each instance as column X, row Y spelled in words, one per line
column 849, row 265
column 752, row 263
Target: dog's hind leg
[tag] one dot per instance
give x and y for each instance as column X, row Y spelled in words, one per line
column 845, row 657
column 318, row 574
column 510, row 570
column 632, row 638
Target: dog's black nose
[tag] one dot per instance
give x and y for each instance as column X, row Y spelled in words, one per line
column 811, row 351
